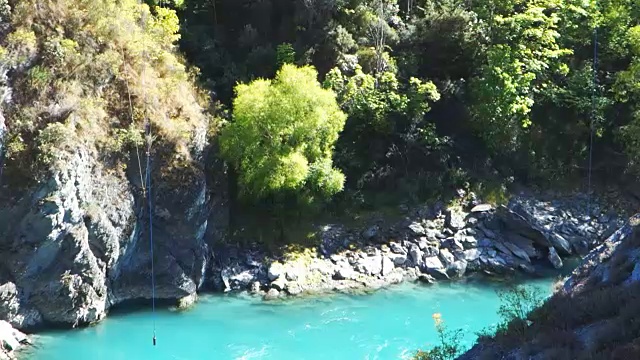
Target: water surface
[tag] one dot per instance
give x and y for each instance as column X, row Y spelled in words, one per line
column 389, row 324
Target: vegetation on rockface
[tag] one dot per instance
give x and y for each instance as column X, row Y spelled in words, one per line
column 439, row 93
column 89, row 73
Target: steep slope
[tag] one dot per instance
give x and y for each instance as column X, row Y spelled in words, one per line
column 79, row 80
column 594, row 315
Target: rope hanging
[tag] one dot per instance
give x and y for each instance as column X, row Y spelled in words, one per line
column 147, row 191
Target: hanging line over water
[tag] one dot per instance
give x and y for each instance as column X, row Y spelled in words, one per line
column 147, row 126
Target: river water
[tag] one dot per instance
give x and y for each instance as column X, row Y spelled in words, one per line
column 388, row 324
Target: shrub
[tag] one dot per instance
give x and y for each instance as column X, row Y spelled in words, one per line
column 282, row 136
column 449, row 346
column 95, row 71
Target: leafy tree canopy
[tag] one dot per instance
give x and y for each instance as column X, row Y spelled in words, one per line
column 282, row 136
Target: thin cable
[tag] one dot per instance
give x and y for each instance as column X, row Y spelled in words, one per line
column 150, row 209
column 593, row 115
column 148, row 173
column 124, row 63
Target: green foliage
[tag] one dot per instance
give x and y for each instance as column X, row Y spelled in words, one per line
column 282, row 136
column 449, row 347
column 628, row 91
column 516, row 303
column 92, row 71
column 285, row 54
column 437, row 93
column 21, row 45
column 522, row 60
column 39, row 77
column 385, row 120
column 50, row 140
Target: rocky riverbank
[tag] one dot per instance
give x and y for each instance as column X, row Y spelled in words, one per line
column 432, row 243
column 594, row 315
column 11, row 340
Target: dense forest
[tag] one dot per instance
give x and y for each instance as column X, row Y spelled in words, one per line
column 327, row 104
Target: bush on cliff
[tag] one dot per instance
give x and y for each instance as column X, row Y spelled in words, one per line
column 88, row 73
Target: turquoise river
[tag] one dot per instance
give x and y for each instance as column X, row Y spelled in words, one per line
column 388, row 324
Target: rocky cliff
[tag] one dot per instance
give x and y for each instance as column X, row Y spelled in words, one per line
column 76, row 94
column 79, row 243
column 594, row 315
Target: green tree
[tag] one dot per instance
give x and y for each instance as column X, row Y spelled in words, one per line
column 285, row 54
column 282, row 137
column 628, row 91
column 520, row 64
column 386, row 131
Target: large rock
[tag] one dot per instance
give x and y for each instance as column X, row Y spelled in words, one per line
column 272, row 294
column 595, row 265
column 79, row 243
column 521, row 243
column 570, row 329
column 275, row 270
column 14, row 308
column 482, row 208
column 398, row 259
column 432, row 262
column 554, row 259
column 397, row 248
column 501, row 247
column 417, row 228
column 455, row 219
column 457, row 269
column 370, row 265
column 471, row 255
column 10, row 340
column 416, row 255
column 521, row 222
column 434, row 267
column 468, row 242
column 344, row 272
column 447, row 257
column 560, row 243
column 517, row 251
column 387, row 266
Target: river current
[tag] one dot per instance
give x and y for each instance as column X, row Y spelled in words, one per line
column 388, row 324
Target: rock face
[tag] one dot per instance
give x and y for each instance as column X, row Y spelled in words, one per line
column 11, row 340
column 429, row 245
column 594, row 315
column 79, row 243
